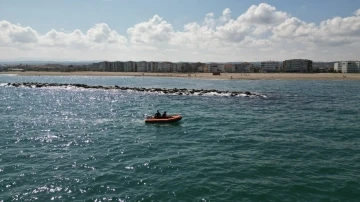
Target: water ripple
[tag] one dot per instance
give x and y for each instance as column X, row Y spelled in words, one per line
column 93, row 145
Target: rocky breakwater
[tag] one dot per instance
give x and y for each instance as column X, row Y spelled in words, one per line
column 174, row 91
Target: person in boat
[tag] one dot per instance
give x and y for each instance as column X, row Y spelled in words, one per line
column 164, row 115
column 157, row 115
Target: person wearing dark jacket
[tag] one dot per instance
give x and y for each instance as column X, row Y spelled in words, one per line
column 164, row 115
column 157, row 115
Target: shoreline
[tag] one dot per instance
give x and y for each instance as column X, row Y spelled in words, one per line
column 223, row 76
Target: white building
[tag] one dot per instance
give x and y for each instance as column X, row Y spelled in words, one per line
column 347, row 67
column 337, row 67
column 269, row 66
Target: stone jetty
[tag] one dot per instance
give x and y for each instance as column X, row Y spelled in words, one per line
column 176, row 91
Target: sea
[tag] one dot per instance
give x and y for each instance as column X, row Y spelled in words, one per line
column 298, row 141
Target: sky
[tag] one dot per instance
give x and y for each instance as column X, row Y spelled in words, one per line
column 180, row 30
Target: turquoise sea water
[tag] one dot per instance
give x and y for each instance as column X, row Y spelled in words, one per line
column 300, row 142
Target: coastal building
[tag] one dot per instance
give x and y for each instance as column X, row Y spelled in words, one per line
column 141, row 66
column 244, row 67
column 229, row 68
column 347, row 67
column 186, row 67
column 107, row 66
column 177, row 66
column 337, row 67
column 118, row 66
column 322, row 67
column 214, row 67
column 193, row 67
column 104, row 66
column 153, row 66
column 269, row 66
column 130, row 66
column 298, row 65
column 201, row 68
column 206, row 68
column 148, row 67
column 165, row 67
column 161, row 67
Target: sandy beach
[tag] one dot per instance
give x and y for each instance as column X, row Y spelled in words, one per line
column 224, row 76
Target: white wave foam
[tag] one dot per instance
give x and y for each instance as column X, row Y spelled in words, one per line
column 217, row 94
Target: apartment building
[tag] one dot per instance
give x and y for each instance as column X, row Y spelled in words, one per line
column 130, row 66
column 141, row 66
column 244, row 67
column 105, row 66
column 229, row 68
column 153, row 66
column 347, row 67
column 201, row 68
column 177, row 66
column 270, row 66
column 298, row 65
column 214, row 67
column 118, row 66
column 165, row 67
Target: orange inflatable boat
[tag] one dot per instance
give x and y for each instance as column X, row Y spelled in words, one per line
column 172, row 118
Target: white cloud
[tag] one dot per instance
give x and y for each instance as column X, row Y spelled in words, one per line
column 292, row 28
column 357, row 12
column 13, row 34
column 263, row 14
column 226, row 15
column 261, row 33
column 97, row 37
column 155, row 30
column 337, row 31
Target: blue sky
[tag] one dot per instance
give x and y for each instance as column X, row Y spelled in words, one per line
column 44, row 15
column 180, row 30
